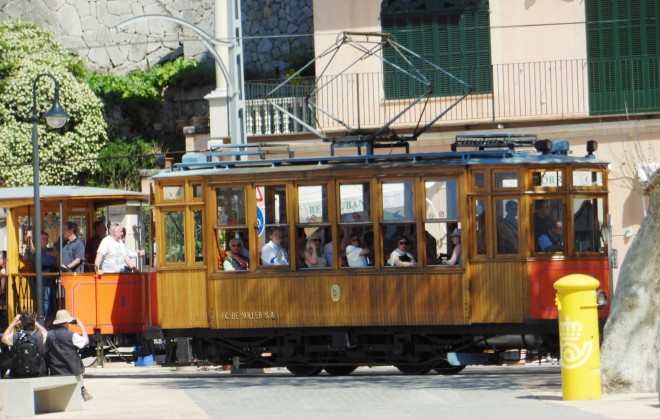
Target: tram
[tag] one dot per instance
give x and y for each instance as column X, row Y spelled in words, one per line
column 117, row 309
column 499, row 194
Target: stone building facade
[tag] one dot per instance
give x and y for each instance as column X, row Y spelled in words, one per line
column 272, row 30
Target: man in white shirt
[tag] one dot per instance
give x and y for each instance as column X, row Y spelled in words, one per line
column 112, row 255
column 273, row 253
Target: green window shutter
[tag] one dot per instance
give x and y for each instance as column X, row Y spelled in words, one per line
column 454, row 38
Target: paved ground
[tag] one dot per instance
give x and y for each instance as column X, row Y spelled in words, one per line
column 121, row 390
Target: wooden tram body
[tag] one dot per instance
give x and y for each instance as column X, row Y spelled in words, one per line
column 340, row 317
column 117, row 306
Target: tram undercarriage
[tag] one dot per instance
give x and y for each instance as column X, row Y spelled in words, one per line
column 307, row 352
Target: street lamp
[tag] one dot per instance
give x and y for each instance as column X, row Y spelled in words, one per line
column 56, row 117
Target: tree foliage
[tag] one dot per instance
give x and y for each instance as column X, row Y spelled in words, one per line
column 27, row 51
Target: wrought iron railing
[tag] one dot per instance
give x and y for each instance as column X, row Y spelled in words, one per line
column 561, row 89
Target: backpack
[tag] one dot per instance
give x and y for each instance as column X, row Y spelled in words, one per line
column 28, row 360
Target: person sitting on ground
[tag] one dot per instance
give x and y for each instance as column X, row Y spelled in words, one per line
column 63, row 345
column 35, row 364
column 273, row 253
column 234, row 257
column 552, row 240
column 112, row 256
column 314, row 257
column 400, row 256
column 455, row 258
column 355, row 254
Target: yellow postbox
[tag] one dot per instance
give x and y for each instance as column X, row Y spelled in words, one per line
column 578, row 337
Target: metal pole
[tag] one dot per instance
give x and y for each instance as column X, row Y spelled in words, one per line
column 36, row 230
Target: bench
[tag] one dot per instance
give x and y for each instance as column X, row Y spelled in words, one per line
column 24, row 397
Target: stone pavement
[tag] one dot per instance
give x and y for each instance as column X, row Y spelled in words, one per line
column 124, row 391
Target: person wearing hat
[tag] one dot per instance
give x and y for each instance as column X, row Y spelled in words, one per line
column 63, row 346
column 456, row 253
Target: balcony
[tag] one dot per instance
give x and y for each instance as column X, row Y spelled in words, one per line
column 534, row 91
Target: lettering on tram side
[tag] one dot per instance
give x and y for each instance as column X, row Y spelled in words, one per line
column 247, row 315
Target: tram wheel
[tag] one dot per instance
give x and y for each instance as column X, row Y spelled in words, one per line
column 413, row 369
column 338, row 370
column 304, row 370
column 445, row 368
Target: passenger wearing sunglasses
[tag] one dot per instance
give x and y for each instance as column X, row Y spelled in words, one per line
column 401, row 256
column 235, row 260
column 314, row 257
column 355, row 254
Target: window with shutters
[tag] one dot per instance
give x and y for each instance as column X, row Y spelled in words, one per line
column 454, row 35
column 623, row 39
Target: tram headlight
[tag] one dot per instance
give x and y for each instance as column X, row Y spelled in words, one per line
column 601, row 299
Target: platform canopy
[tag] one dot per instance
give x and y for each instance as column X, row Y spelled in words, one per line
column 20, row 196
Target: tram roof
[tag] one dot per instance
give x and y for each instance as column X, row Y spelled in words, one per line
column 20, row 196
column 393, row 161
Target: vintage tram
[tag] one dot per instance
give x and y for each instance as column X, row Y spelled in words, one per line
column 117, row 309
column 528, row 213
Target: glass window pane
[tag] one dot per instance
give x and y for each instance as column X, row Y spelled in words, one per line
column 587, row 178
column 480, row 212
column 233, row 249
column 588, row 218
column 358, row 247
column 231, row 206
column 174, row 237
column 548, row 225
column 547, row 179
column 172, row 193
column 399, row 245
column 441, row 199
column 398, row 201
column 272, row 226
column 479, row 180
column 197, row 190
column 506, row 180
column 313, row 251
column 312, row 204
column 198, row 218
column 275, row 249
column 507, row 226
column 354, row 202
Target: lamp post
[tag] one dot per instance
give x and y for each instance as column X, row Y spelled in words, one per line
column 56, row 117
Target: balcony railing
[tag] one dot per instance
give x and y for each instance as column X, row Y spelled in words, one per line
column 562, row 89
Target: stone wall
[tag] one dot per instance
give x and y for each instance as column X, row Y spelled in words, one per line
column 88, row 28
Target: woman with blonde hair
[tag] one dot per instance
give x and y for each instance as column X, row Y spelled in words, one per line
column 314, row 257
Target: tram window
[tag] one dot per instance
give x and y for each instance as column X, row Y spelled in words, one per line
column 480, row 213
column 310, row 245
column 174, row 229
column 586, row 178
column 355, row 202
column 173, row 193
column 588, row 216
column 312, row 204
column 547, row 178
column 232, row 225
column 355, row 223
column 506, row 180
column 507, row 226
column 196, row 190
column 398, row 220
column 479, row 181
column 231, row 206
column 198, row 222
column 441, row 197
column 273, row 227
column 548, row 225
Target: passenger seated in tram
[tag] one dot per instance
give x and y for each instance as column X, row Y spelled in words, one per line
column 507, row 230
column 273, row 253
column 314, row 257
column 455, row 258
column 235, row 258
column 552, row 240
column 356, row 255
column 400, row 256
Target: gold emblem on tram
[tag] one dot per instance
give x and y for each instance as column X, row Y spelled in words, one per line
column 335, row 293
